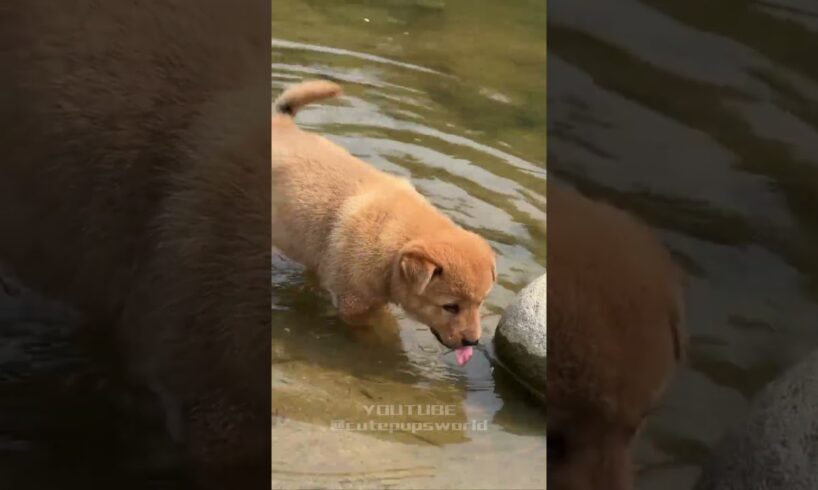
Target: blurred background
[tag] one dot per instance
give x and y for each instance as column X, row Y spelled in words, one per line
column 702, row 119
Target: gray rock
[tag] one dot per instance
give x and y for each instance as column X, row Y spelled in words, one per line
column 520, row 340
column 776, row 446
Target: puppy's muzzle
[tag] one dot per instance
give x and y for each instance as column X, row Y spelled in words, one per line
column 464, row 342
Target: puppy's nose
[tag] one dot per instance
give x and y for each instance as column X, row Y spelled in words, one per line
column 466, row 342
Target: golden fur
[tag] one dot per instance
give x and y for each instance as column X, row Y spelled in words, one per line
column 133, row 185
column 614, row 335
column 370, row 236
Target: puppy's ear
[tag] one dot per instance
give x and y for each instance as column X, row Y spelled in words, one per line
column 417, row 267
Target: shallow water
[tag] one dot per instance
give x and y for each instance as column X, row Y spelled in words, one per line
column 737, row 206
column 431, row 95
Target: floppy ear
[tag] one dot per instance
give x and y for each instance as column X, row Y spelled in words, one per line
column 417, row 267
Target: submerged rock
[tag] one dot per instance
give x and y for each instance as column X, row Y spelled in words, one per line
column 776, row 446
column 520, row 340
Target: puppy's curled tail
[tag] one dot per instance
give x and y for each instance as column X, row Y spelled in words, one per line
column 297, row 96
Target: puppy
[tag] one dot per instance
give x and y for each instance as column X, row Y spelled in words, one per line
column 370, row 236
column 614, row 336
column 133, row 186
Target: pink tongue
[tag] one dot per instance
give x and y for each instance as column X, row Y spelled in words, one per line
column 463, row 354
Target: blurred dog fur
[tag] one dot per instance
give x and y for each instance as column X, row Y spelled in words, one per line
column 370, row 236
column 133, row 186
column 615, row 318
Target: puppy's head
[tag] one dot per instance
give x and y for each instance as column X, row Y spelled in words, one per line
column 442, row 281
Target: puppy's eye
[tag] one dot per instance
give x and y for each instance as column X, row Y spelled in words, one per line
column 452, row 308
column 438, row 271
column 557, row 447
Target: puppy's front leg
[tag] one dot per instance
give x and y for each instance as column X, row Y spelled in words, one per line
column 355, row 309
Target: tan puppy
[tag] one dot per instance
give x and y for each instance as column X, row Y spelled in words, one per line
column 614, row 320
column 133, row 185
column 371, row 237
